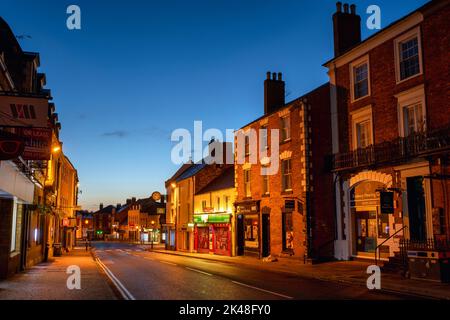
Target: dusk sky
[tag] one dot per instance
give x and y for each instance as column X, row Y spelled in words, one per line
column 137, row 70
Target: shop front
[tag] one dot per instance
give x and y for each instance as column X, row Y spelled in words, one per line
column 213, row 233
column 371, row 226
column 248, row 228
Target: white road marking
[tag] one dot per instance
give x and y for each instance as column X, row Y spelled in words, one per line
column 167, row 262
column 199, row 271
column 263, row 290
column 120, row 287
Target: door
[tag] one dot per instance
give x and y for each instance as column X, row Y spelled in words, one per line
column 416, row 208
column 366, row 231
column 240, row 235
column 265, row 235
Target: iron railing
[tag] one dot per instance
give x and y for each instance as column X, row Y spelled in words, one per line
column 396, row 151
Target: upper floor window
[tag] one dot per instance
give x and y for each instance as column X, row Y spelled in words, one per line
column 411, row 111
column 286, row 174
column 362, row 130
column 226, row 202
column 285, row 128
column 409, row 58
column 247, row 189
column 408, row 55
column 264, row 140
column 247, row 145
column 265, row 185
column 360, row 86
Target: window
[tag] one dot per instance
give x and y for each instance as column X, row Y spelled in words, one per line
column 409, row 58
column 360, row 78
column 383, row 226
column 16, row 226
column 247, row 183
column 362, row 128
column 361, row 86
column 285, row 128
column 413, row 119
column 411, row 111
column 264, row 140
column 288, row 232
column 218, row 203
column 247, row 145
column 363, row 134
column 286, row 171
column 265, row 186
column 226, row 200
column 408, row 55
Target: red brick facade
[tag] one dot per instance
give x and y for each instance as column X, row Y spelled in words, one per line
column 431, row 25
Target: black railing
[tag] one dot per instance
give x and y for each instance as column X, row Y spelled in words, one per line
column 421, row 245
column 377, row 251
column 396, row 151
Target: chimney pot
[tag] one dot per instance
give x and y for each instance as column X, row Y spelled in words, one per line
column 338, row 6
column 353, row 9
column 268, row 75
column 274, row 76
column 280, row 76
column 345, row 7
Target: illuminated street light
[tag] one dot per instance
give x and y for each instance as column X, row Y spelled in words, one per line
column 56, row 149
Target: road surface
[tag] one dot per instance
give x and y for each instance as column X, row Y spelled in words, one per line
column 144, row 275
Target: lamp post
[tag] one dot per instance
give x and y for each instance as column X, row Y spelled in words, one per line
column 151, row 239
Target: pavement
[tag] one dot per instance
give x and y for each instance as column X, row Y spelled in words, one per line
column 348, row 272
column 48, row 281
column 140, row 274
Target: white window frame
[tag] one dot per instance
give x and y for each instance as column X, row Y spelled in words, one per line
column 407, row 98
column 358, row 116
column 353, row 65
column 405, row 37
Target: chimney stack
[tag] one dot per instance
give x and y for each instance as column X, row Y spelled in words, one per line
column 346, row 28
column 101, row 206
column 274, row 92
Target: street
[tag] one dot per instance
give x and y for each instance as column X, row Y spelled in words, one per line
column 157, row 276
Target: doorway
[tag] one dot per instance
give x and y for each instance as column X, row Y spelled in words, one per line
column 366, row 231
column 240, row 235
column 416, row 208
column 265, row 235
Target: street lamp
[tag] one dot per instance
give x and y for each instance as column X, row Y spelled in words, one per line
column 151, row 239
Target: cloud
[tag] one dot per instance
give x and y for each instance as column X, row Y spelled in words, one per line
column 117, row 134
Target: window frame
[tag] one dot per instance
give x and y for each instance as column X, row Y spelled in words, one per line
column 408, row 98
column 401, row 39
column 359, row 116
column 249, row 193
column 288, row 138
column 353, row 65
column 283, row 174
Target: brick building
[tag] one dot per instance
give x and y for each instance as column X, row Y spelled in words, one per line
column 289, row 213
column 390, row 119
column 180, row 189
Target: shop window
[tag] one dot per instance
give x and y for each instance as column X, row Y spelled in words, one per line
column 288, row 232
column 251, row 232
column 16, row 227
column 286, row 174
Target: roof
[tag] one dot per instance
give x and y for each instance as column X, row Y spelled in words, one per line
column 179, row 172
column 385, row 29
column 108, row 209
column 224, row 181
column 191, row 171
column 288, row 104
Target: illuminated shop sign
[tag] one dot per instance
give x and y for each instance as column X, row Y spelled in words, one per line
column 211, row 218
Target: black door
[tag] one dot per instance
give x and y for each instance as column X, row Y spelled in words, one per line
column 416, row 208
column 265, row 235
column 240, row 235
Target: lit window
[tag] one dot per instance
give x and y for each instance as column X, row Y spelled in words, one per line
column 264, row 139
column 247, row 145
column 286, row 171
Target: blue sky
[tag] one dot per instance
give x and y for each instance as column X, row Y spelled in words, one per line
column 137, row 70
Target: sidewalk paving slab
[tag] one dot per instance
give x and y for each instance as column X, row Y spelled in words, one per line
column 47, row 280
column 349, row 272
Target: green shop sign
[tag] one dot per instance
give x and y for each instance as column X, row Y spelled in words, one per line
column 211, row 218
